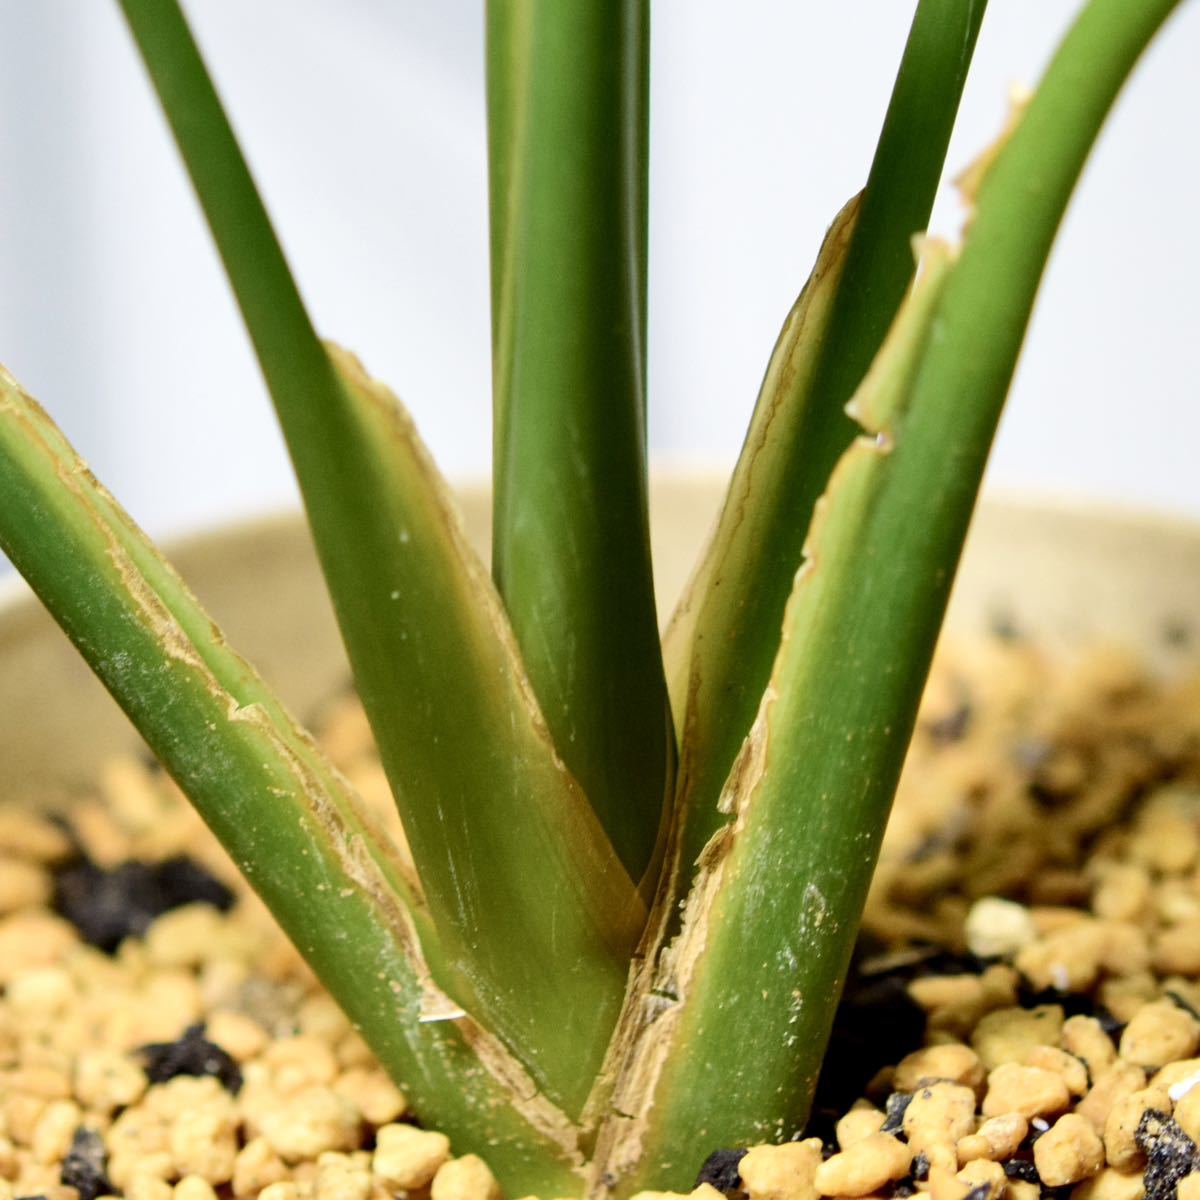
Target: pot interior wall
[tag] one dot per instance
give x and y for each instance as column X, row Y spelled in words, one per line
column 1066, row 575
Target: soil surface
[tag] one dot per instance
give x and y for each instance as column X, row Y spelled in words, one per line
column 1023, row 1020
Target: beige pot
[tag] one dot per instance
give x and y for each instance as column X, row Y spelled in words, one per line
column 1067, row 573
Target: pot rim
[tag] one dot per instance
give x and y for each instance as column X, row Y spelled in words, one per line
column 1132, row 516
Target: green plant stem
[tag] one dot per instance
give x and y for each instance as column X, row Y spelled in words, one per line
column 769, row 928
column 726, row 631
column 567, row 110
column 288, row 819
column 539, row 955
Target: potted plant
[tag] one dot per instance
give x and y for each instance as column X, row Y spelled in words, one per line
column 640, row 864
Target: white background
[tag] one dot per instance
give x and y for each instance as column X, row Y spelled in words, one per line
column 364, row 122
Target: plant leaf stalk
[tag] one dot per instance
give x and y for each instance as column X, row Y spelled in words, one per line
column 567, row 133
column 769, row 927
column 538, row 956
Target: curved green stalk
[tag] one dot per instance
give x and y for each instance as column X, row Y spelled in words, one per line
column 567, row 112
column 289, row 820
column 539, row 956
column 769, row 926
column 725, row 632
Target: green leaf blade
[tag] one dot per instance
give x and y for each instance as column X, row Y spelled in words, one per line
column 567, row 104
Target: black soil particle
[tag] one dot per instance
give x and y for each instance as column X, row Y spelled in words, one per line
column 982, row 1192
column 877, row 1023
column 108, row 905
column 1170, row 1154
column 1073, row 1004
column 86, row 1164
column 721, row 1171
column 191, row 1054
column 897, row 1106
column 920, row 1168
column 1023, row 1169
column 952, row 727
column 1180, row 1002
column 1109, row 1023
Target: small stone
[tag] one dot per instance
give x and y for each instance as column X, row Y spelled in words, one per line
column 866, row 1166
column 945, row 1185
column 1110, row 1184
column 1067, row 960
column 124, row 1168
column 192, row 1187
column 1067, row 1066
column 997, row 928
column 984, row 1180
column 106, row 1080
column 953, row 1002
column 54, row 1134
column 374, row 1095
column 30, row 837
column 996, row 1138
column 941, row 1110
column 1085, row 1038
column 1158, row 1034
column 1123, row 893
column 1030, row 1091
column 1122, row 997
column 1070, row 1151
column 31, row 939
column 280, row 1191
column 861, row 1121
column 23, row 884
column 257, row 1166
column 1178, row 1077
column 1120, row 1130
column 466, row 1178
column 342, row 1177
column 786, row 1172
column 1110, row 1086
column 148, row 1187
column 240, row 1036
column 204, row 1142
column 1176, row 950
column 1125, row 950
column 1018, row 1189
column 300, row 1062
column 1008, row 1034
column 312, row 1122
column 1186, row 1111
column 407, row 1157
column 191, row 935
column 952, row 1061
